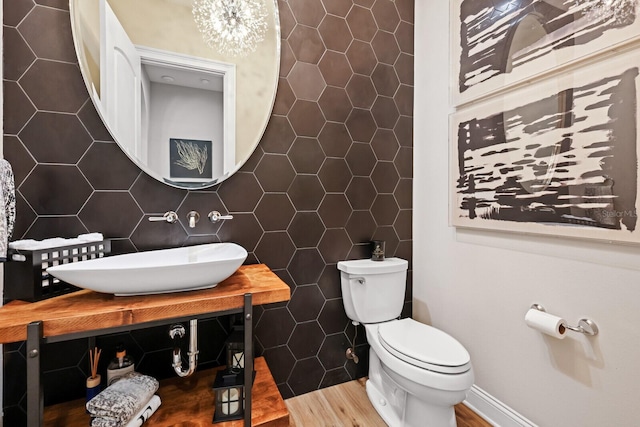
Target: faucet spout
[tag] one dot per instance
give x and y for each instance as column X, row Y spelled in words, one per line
column 193, row 218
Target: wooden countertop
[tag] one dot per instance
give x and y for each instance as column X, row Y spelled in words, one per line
column 87, row 310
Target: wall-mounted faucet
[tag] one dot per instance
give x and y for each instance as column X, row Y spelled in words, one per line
column 171, row 217
column 193, row 217
column 215, row 216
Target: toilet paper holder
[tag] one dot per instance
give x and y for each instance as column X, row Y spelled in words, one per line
column 585, row 326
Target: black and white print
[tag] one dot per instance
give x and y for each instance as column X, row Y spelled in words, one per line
column 500, row 42
column 563, row 154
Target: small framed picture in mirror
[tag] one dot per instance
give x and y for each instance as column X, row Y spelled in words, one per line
column 190, row 159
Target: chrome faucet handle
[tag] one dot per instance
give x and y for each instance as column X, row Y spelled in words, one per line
column 215, row 216
column 193, row 217
column 170, row 216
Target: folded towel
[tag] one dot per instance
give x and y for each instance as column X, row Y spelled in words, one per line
column 7, row 206
column 91, row 237
column 137, row 420
column 117, row 404
column 143, row 415
column 54, row 242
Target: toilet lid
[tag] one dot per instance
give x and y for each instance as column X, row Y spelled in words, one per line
column 424, row 346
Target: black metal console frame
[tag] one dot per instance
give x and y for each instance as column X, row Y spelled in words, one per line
column 35, row 339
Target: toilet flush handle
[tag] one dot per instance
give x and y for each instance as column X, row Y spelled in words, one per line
column 360, row 280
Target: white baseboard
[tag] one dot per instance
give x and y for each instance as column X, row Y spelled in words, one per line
column 493, row 411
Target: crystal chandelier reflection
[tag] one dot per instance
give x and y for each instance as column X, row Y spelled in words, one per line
column 621, row 12
column 232, row 27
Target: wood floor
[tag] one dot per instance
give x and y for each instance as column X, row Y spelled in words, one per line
column 347, row 405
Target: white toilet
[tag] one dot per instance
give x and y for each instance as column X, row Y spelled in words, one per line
column 417, row 373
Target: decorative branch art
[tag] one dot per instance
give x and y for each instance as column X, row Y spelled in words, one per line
column 189, row 158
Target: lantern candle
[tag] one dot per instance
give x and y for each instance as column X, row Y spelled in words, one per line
column 230, row 401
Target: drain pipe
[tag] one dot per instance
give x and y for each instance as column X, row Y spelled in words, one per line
column 177, row 331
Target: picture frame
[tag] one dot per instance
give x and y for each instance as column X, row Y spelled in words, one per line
column 190, row 160
column 558, row 157
column 498, row 45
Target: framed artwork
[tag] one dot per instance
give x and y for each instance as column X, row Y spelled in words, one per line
column 190, row 159
column 557, row 157
column 497, row 44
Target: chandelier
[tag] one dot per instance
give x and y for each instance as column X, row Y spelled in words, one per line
column 621, row 12
column 232, row 27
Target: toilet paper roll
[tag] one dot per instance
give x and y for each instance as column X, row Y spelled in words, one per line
column 546, row 323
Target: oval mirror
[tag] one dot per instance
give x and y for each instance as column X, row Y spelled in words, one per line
column 186, row 101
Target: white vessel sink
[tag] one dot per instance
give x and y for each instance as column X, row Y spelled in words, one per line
column 155, row 272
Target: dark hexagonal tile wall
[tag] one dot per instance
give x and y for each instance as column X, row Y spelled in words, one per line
column 306, row 44
column 361, row 57
column 335, row 68
column 244, row 230
column 271, row 335
column 362, row 23
column 118, row 174
column 306, row 303
column 55, row 138
column 42, row 83
column 275, row 249
column 48, row 33
column 16, row 153
column 335, row 104
column 306, row 340
column 335, row 33
column 114, row 214
column 18, row 56
column 328, row 354
column 55, row 189
column 333, row 170
column 306, row 376
column 306, row 192
column 335, row 139
column 335, row 245
column 279, row 135
column 306, row 155
column 306, row 266
column 306, row 81
column 306, row 229
column 21, row 108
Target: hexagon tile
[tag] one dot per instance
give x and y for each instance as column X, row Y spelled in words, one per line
column 332, row 172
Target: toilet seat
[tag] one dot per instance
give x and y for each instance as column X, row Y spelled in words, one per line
column 424, row 346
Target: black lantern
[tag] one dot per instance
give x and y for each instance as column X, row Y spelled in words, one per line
column 235, row 350
column 229, row 390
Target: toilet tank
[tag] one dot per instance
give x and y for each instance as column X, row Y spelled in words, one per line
column 373, row 291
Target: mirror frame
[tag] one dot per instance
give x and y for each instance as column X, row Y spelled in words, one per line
column 95, row 99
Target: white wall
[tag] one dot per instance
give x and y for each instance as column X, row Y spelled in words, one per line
column 184, row 112
column 477, row 286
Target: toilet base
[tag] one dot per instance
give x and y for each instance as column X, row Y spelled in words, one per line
column 414, row 413
column 402, row 403
column 382, row 405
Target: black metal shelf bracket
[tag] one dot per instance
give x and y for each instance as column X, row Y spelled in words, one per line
column 248, row 357
column 35, row 395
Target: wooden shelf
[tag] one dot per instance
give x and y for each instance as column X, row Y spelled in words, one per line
column 190, row 402
column 87, row 310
